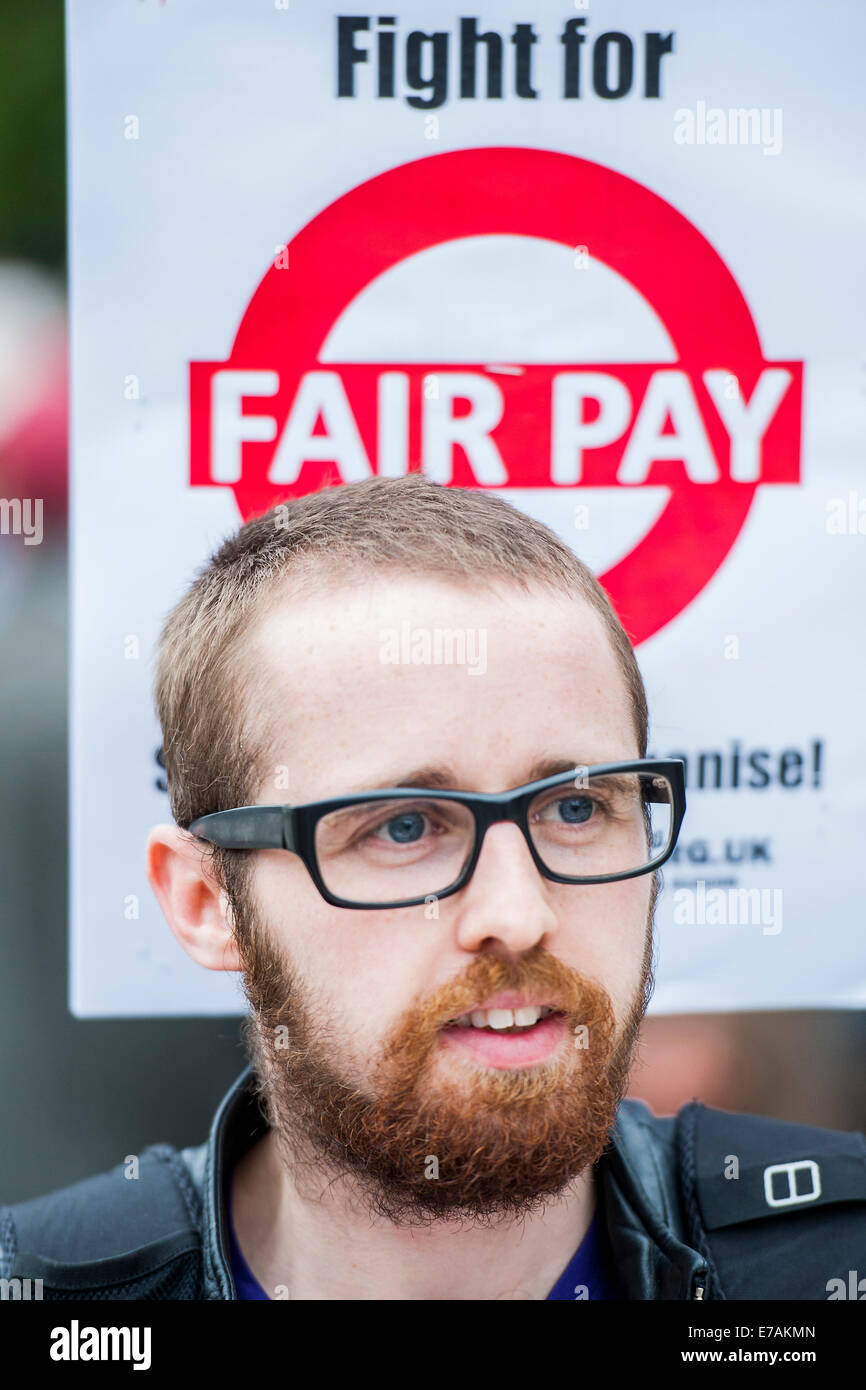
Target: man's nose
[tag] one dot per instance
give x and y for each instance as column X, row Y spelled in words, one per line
column 506, row 899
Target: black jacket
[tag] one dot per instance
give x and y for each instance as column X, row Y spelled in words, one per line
column 702, row 1205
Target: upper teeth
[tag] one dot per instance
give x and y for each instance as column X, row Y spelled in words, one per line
column 503, row 1018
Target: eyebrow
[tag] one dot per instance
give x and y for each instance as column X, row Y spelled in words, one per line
column 444, row 779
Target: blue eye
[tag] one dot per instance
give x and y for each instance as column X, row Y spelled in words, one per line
column 575, row 809
column 406, row 828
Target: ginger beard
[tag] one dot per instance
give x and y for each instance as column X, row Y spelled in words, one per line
column 504, row 1140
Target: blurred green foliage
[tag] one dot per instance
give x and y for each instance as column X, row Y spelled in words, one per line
column 32, row 132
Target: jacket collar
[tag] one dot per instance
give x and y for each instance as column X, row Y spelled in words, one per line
column 237, row 1124
column 637, row 1179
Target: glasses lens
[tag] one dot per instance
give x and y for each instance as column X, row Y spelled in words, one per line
column 385, row 851
column 603, row 825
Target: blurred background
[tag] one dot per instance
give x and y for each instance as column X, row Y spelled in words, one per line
column 78, row 1095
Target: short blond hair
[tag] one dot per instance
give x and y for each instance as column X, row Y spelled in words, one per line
column 212, row 752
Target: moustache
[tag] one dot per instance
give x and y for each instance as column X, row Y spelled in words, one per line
column 537, row 975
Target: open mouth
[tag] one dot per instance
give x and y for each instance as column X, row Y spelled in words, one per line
column 507, row 1038
column 503, row 1020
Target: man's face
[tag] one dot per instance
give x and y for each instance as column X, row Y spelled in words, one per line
column 364, row 1070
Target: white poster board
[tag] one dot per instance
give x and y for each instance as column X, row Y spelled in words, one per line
column 632, row 242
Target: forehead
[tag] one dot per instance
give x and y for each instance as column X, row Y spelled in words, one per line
column 401, row 671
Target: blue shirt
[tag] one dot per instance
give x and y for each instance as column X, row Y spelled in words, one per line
column 589, row 1274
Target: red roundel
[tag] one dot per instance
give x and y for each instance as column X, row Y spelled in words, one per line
column 274, row 421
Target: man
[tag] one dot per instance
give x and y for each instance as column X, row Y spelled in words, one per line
column 405, row 742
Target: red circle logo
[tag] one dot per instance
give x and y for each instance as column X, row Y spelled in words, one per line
column 274, row 421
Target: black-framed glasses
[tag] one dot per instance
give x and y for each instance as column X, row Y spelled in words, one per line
column 407, row 845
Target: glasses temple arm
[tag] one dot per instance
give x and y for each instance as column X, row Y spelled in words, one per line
column 245, row 827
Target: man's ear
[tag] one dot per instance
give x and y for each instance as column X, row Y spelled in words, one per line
column 195, row 907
